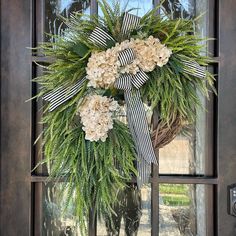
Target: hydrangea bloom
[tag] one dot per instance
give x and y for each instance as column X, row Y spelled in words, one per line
column 103, row 67
column 96, row 115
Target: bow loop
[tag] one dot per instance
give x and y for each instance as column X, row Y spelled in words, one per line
column 130, row 23
column 193, row 68
column 139, row 79
column 101, row 37
column 126, row 56
column 62, row 94
column 124, row 82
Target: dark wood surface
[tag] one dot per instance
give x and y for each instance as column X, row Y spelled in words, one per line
column 15, row 188
column 226, row 113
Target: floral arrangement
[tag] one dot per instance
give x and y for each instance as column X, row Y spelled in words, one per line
column 104, row 68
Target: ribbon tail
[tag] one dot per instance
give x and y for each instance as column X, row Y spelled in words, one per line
column 193, row 68
column 144, row 168
column 138, row 125
column 60, row 95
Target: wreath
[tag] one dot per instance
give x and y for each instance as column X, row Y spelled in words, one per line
column 106, row 73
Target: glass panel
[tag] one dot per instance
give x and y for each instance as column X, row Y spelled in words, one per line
column 182, row 210
column 133, row 214
column 56, row 8
column 180, row 8
column 55, row 220
column 37, row 105
column 187, row 155
column 141, row 7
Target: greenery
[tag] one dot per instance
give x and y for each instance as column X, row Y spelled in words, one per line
column 176, row 200
column 175, row 194
column 94, row 172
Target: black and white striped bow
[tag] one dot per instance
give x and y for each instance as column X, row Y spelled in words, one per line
column 62, row 94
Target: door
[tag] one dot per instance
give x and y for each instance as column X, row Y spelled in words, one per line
column 187, row 193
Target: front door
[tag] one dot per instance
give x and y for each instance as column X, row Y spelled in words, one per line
column 187, row 194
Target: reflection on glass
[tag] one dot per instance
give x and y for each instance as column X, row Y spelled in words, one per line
column 133, row 214
column 177, row 157
column 180, row 8
column 55, row 220
column 140, row 7
column 187, row 154
column 182, row 210
column 56, row 8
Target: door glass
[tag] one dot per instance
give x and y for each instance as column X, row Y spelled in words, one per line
column 187, row 154
column 182, row 207
column 181, row 8
column 182, row 210
column 139, row 7
column 133, row 214
column 56, row 8
column 56, row 221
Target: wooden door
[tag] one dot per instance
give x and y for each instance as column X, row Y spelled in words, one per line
column 188, row 197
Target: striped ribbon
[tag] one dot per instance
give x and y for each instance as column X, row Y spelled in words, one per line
column 193, row 68
column 126, row 57
column 138, row 123
column 130, row 23
column 95, row 37
column 62, row 94
column 136, row 114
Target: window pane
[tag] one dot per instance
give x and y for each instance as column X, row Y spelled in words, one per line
column 180, row 8
column 133, row 214
column 188, row 155
column 183, row 210
column 55, row 220
column 56, row 8
column 141, row 7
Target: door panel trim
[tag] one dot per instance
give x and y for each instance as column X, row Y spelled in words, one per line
column 16, row 73
column 226, row 137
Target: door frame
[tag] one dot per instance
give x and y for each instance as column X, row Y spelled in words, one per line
column 226, row 114
column 16, row 119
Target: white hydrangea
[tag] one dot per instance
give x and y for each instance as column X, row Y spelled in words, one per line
column 96, row 114
column 149, row 54
column 103, row 67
